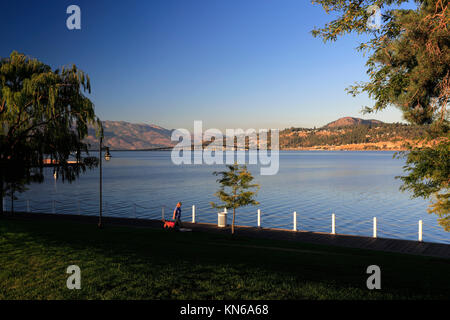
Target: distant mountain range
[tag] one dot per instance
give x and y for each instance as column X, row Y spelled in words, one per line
column 121, row 135
column 344, row 132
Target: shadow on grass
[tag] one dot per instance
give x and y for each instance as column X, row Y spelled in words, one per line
column 140, row 263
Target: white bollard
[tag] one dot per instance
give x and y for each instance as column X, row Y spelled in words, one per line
column 193, row 214
column 259, row 218
column 295, row 221
column 374, row 227
column 420, row 229
column 333, row 223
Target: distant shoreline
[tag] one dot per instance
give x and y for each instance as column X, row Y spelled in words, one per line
column 346, row 133
column 395, row 146
column 282, row 149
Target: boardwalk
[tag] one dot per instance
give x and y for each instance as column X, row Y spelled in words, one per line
column 360, row 242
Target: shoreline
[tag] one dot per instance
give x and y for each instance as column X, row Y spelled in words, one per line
column 283, row 149
column 399, row 246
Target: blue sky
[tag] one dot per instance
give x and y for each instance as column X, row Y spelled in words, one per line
column 230, row 63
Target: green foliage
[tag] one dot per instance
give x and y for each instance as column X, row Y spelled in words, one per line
column 13, row 187
column 43, row 114
column 429, row 176
column 234, row 192
column 409, row 68
column 410, row 56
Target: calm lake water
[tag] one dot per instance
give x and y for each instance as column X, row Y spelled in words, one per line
column 356, row 186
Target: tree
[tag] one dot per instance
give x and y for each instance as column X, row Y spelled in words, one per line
column 429, row 174
column 234, row 189
column 409, row 68
column 43, row 114
column 14, row 184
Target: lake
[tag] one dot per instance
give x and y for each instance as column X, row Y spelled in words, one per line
column 355, row 185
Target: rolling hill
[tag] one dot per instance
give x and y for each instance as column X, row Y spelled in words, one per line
column 121, row 135
column 350, row 121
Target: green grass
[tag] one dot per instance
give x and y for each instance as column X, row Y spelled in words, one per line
column 140, row 263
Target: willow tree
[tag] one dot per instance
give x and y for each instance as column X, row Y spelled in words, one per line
column 44, row 114
column 408, row 68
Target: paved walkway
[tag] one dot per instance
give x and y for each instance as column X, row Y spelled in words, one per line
column 380, row 244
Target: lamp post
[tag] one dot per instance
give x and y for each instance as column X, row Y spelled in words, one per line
column 107, row 158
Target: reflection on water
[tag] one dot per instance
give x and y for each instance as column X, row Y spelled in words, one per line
column 356, row 186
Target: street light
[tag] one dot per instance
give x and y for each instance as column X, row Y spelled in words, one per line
column 107, row 154
column 107, row 158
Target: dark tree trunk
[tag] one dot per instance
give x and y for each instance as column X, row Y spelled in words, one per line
column 1, row 191
column 100, row 222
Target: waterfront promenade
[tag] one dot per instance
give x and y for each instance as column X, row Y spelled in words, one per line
column 360, row 242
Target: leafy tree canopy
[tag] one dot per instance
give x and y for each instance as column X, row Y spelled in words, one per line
column 44, row 113
column 408, row 68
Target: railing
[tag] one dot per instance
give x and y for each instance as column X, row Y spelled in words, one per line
column 374, row 227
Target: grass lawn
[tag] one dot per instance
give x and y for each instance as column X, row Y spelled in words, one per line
column 141, row 263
